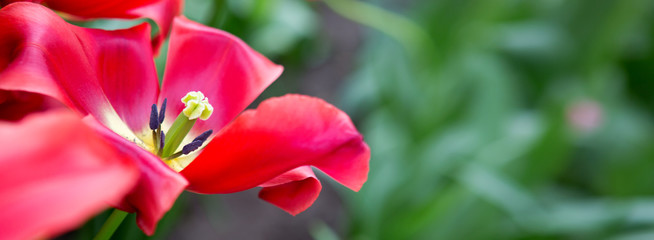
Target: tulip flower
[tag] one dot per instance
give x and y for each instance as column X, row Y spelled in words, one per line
column 58, row 174
column 161, row 12
column 193, row 133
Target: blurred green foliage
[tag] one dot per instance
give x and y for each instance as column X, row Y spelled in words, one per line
column 513, row 120
column 487, row 119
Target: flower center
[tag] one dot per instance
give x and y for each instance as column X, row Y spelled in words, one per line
column 166, row 143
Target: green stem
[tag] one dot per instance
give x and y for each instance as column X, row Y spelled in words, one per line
column 110, row 226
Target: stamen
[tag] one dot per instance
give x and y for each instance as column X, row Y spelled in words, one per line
column 154, row 119
column 162, row 113
column 203, row 137
column 197, row 142
column 162, row 141
column 175, row 155
column 192, row 146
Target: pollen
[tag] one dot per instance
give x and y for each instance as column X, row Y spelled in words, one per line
column 196, row 106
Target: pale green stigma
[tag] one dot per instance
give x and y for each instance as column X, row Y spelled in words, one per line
column 196, row 106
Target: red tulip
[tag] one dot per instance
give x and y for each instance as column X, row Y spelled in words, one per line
column 110, row 75
column 161, row 12
column 59, row 174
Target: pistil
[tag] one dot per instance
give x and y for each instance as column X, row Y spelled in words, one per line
column 196, row 106
column 180, row 128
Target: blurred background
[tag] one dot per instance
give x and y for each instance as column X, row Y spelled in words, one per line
column 487, row 119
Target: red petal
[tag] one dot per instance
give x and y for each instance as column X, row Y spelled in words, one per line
column 161, row 12
column 127, row 73
column 99, row 9
column 59, row 173
column 78, row 66
column 219, row 65
column 16, row 105
column 7, row 2
column 293, row 191
column 280, row 135
column 158, row 186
